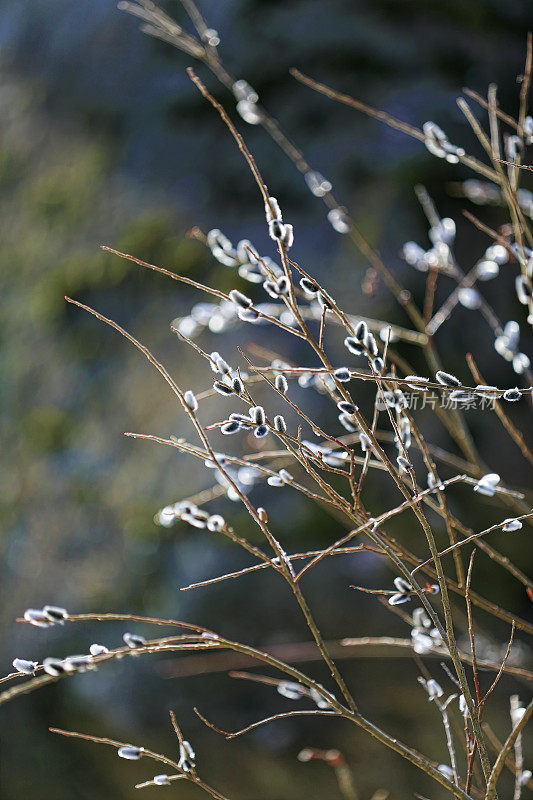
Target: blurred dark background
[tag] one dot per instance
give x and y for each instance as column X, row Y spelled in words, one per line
column 105, row 140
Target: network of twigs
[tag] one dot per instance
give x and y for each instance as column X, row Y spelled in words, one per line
column 335, row 469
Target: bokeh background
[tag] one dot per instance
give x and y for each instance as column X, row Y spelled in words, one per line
column 105, row 140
